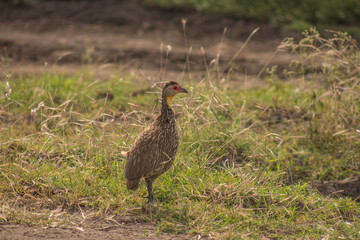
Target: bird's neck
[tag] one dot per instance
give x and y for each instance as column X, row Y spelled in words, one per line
column 166, row 102
column 166, row 105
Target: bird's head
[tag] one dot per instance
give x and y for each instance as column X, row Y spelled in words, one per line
column 170, row 90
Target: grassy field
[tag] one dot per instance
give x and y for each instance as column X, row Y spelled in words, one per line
column 299, row 13
column 277, row 11
column 295, row 15
column 244, row 165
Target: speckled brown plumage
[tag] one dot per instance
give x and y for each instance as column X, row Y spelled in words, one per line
column 155, row 148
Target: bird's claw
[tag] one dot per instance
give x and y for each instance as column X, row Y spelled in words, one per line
column 150, row 199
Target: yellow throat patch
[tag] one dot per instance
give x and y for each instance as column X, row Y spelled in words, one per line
column 169, row 100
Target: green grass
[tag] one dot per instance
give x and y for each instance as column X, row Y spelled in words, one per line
column 277, row 11
column 244, row 166
column 297, row 15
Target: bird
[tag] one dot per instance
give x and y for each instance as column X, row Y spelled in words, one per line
column 154, row 149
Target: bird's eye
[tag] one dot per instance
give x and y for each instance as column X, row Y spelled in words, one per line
column 175, row 88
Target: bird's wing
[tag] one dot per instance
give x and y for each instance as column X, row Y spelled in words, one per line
column 141, row 156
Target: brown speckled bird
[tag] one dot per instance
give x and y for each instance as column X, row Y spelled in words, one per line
column 155, row 148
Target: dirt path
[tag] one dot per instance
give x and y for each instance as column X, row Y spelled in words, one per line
column 126, row 231
column 128, row 35
column 112, row 35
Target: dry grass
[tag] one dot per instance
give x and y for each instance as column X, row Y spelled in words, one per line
column 243, row 166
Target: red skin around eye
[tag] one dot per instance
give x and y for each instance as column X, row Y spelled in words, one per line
column 179, row 89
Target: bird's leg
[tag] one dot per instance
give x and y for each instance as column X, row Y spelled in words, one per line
column 149, row 189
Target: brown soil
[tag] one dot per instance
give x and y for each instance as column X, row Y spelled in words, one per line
column 349, row 187
column 126, row 35
column 126, row 231
column 111, row 35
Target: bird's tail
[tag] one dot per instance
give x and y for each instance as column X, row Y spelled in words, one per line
column 132, row 184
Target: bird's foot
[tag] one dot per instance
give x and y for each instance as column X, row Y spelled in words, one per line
column 150, row 199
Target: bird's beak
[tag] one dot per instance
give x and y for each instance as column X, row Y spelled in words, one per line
column 183, row 90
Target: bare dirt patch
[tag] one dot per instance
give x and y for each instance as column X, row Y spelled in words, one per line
column 129, row 35
column 349, row 187
column 125, row 231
